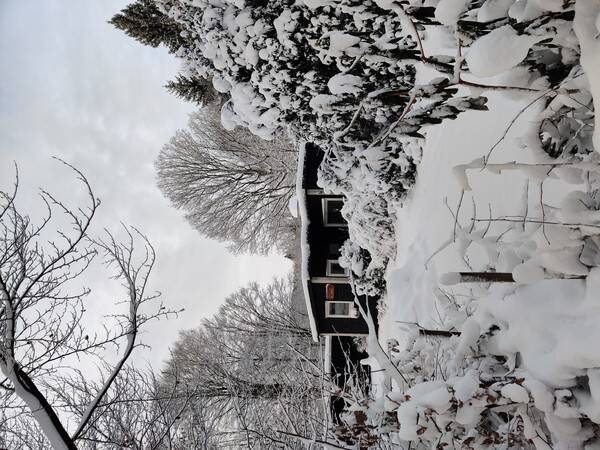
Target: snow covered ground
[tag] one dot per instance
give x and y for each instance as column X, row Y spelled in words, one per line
column 524, row 354
column 425, row 222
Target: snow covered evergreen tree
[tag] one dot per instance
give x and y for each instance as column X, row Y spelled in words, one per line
column 144, row 22
column 193, row 89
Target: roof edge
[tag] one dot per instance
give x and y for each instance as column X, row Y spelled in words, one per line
column 304, row 248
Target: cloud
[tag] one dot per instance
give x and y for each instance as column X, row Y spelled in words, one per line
column 74, row 87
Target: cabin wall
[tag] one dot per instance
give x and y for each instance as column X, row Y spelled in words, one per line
column 314, row 157
column 325, row 242
column 339, row 325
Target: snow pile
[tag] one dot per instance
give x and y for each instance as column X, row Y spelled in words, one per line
column 551, row 324
column 498, row 51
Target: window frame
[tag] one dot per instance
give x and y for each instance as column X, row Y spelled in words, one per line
column 352, row 313
column 325, row 207
column 330, row 273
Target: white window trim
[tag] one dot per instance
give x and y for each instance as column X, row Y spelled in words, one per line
column 330, row 272
column 330, row 280
column 325, row 203
column 353, row 312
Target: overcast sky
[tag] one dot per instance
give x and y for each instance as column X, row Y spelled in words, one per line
column 72, row 86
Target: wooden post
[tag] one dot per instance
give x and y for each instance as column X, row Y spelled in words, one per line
column 452, row 278
column 483, row 277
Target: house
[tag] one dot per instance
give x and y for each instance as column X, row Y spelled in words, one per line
column 327, row 287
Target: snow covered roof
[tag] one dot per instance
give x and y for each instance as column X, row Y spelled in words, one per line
column 304, row 248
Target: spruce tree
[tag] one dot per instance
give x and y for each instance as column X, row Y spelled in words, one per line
column 193, row 89
column 143, row 21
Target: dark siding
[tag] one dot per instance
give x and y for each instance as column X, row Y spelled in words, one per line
column 314, row 156
column 325, row 243
column 343, row 292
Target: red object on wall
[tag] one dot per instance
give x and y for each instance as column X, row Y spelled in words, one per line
column 330, row 291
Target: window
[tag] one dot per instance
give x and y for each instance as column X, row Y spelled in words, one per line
column 341, row 310
column 332, row 212
column 334, row 269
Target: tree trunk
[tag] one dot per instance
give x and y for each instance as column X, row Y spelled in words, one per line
column 42, row 411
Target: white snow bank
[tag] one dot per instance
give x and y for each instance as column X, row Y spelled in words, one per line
column 552, row 324
column 499, row 51
column 586, row 24
column 425, row 224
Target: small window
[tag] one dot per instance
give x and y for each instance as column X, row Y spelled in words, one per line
column 341, row 310
column 335, row 270
column 332, row 212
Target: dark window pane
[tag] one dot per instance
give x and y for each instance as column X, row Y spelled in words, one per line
column 339, row 309
column 335, row 268
column 334, row 211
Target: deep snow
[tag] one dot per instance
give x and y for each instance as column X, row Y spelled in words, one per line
column 480, row 201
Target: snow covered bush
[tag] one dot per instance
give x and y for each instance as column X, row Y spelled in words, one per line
column 567, row 122
column 368, row 275
column 535, row 45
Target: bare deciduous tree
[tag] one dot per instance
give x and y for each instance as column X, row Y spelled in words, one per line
column 137, row 413
column 255, row 310
column 233, row 186
column 254, row 363
column 43, row 334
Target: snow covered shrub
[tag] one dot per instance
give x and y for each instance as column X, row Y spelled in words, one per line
column 567, row 123
column 524, row 34
column 368, row 276
column 459, row 392
column 568, row 132
column 360, row 342
column 535, row 44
